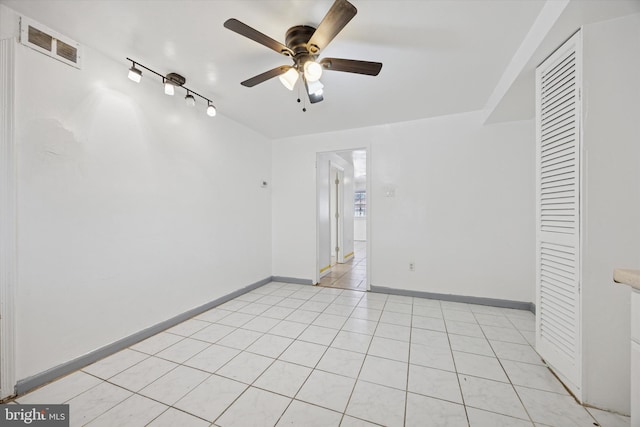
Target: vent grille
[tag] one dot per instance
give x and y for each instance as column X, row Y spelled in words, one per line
column 67, row 51
column 50, row 43
column 40, row 39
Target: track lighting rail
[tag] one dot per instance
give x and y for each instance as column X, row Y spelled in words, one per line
column 170, row 81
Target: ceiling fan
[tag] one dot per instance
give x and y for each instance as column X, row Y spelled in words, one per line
column 303, row 45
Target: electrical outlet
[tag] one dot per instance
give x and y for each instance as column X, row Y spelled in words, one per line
column 412, row 266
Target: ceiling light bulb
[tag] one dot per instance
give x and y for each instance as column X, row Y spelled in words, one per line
column 190, row 100
column 135, row 74
column 169, row 88
column 211, row 110
column 315, row 88
column 312, row 71
column 289, row 78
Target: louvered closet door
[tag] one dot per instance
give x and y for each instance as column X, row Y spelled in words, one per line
column 558, row 212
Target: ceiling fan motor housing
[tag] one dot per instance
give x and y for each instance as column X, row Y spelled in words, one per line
column 296, row 39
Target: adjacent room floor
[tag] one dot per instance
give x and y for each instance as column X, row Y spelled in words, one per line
column 300, row 355
column 350, row 275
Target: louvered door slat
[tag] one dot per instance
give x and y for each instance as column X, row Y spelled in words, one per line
column 556, row 69
column 560, row 110
column 560, row 102
column 557, row 94
column 558, row 210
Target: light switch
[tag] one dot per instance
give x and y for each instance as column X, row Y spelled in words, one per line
column 389, row 191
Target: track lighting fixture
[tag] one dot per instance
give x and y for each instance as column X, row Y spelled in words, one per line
column 171, row 81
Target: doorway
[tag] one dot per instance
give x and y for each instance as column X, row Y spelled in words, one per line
column 341, row 219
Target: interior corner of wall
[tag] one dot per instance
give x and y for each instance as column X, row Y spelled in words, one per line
column 9, row 27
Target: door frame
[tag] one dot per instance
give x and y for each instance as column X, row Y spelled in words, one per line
column 368, row 149
column 8, row 218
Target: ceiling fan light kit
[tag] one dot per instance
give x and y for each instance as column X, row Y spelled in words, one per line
column 312, row 71
column 303, row 46
column 171, row 81
column 289, row 78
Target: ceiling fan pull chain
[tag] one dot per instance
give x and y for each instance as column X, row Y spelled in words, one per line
column 304, row 104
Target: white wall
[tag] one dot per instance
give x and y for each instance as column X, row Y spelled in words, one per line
column 133, row 208
column 360, row 228
column 463, row 209
column 611, row 138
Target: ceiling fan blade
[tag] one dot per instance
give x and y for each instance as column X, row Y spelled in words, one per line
column 255, row 35
column 351, row 66
column 266, row 76
column 337, row 17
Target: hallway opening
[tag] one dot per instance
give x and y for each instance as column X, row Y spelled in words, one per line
column 350, row 275
column 342, row 219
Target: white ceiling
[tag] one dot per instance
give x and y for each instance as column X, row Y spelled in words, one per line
column 440, row 57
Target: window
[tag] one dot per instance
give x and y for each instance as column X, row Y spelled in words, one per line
column 360, row 204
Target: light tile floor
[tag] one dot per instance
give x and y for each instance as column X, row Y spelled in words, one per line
column 298, row 355
column 350, row 275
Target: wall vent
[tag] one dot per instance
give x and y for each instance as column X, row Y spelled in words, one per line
column 49, row 42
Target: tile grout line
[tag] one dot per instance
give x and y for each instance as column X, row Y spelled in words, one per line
column 455, row 367
column 249, row 385
column 312, row 369
column 406, row 391
column 507, row 375
column 363, row 362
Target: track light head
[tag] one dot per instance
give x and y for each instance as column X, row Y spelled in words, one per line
column 169, row 88
column 211, row 110
column 135, row 74
column 171, row 81
column 190, row 100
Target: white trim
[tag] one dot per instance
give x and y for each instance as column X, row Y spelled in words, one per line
column 369, row 188
column 8, row 226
